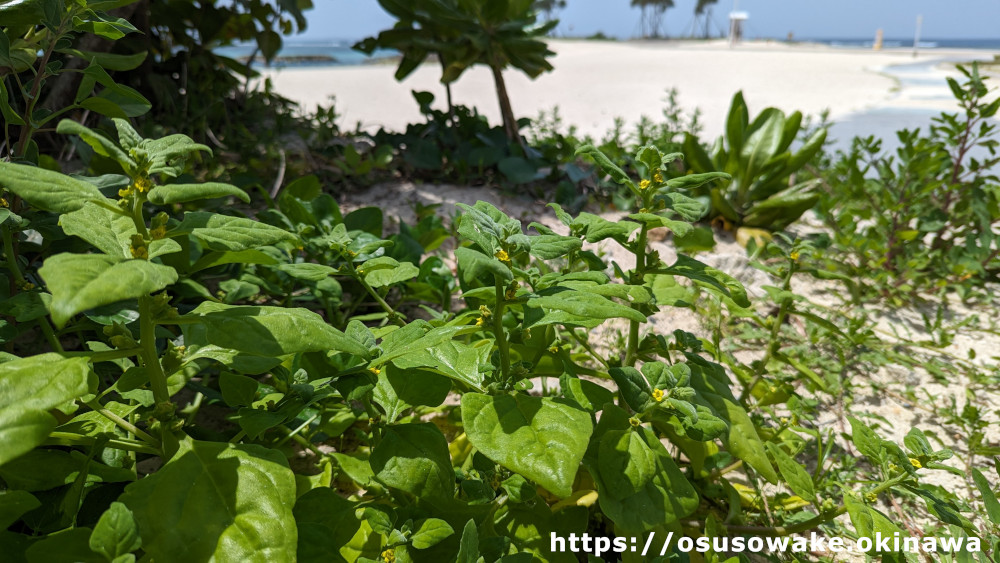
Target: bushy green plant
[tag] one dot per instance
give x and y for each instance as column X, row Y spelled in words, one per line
column 497, row 471
column 765, row 192
column 921, row 220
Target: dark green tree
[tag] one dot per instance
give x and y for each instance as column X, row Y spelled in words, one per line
column 464, row 33
column 651, row 21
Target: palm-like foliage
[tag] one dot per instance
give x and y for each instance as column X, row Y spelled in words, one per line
column 464, row 33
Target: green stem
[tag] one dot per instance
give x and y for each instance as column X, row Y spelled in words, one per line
column 104, row 355
column 393, row 315
column 123, row 424
column 640, row 270
column 812, row 522
column 70, row 439
column 137, row 218
column 150, row 358
column 498, row 332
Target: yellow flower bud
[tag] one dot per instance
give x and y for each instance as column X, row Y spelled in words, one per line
column 389, row 555
column 502, row 256
column 915, row 462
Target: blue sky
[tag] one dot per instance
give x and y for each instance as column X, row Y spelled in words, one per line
column 955, row 19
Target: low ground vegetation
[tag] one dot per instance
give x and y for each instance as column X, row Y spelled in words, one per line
column 206, row 357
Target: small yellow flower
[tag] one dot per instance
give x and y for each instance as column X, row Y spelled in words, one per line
column 657, row 177
column 126, row 192
column 157, row 233
column 138, row 247
column 657, row 395
column 554, row 350
column 389, row 555
column 871, row 498
column 142, row 184
column 375, row 371
column 351, row 253
column 644, row 184
column 4, row 202
column 181, row 349
column 495, row 481
column 794, row 255
column 27, row 286
column 485, row 311
column 502, row 256
column 634, row 422
column 915, row 462
column 480, row 321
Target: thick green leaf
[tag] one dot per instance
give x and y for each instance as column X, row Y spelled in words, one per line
column 795, row 475
column 472, row 263
column 611, row 169
column 101, row 144
column 468, row 549
column 459, row 361
column 639, row 485
column 109, row 232
column 326, row 523
column 709, row 277
column 271, row 331
column 225, row 233
column 597, row 228
column 633, row 387
column 584, row 304
column 714, row 392
column 109, row 61
column 67, row 546
column 217, row 501
column 543, row 439
column 47, row 190
column 654, row 221
column 989, row 497
column 866, row 440
column 29, row 389
column 42, row 469
column 83, row 281
column 116, row 533
column 414, row 458
column 15, row 503
column 183, row 193
column 22, row 13
column 626, row 464
column 692, row 181
column 430, row 533
column 550, row 247
column 398, row 390
column 385, row 271
column 870, row 523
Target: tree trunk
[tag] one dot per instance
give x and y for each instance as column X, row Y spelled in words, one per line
column 509, row 123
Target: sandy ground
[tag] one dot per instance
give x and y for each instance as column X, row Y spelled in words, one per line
column 596, row 81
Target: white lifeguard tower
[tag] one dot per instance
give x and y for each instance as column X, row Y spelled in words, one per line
column 736, row 21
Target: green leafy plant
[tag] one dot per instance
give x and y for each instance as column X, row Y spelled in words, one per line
column 927, row 212
column 764, row 192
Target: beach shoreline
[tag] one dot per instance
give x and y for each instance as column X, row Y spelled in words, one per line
column 595, row 82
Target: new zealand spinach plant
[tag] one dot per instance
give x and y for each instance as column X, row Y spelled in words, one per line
column 397, row 438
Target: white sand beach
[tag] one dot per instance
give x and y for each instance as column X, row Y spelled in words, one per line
column 596, row 81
